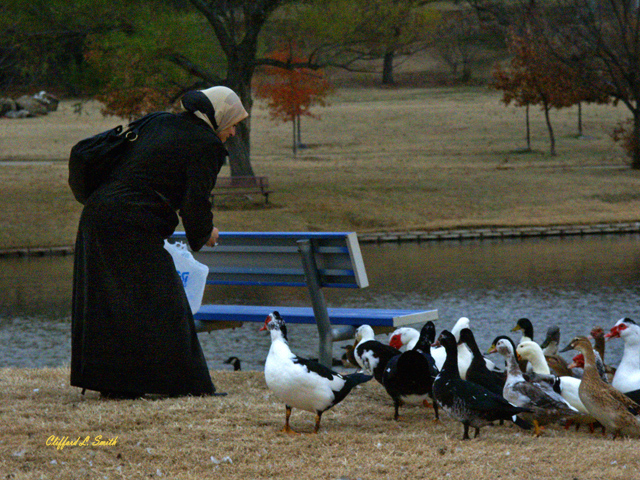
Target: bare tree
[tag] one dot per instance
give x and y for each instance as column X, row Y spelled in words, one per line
column 460, row 41
column 598, row 38
column 350, row 33
column 601, row 39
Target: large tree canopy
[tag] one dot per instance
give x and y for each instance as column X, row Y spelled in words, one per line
column 42, row 42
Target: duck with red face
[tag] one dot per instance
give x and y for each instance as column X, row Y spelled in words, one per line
column 300, row 382
column 627, row 377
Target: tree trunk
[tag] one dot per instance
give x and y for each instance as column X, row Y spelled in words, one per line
column 579, row 119
column 239, row 151
column 239, row 80
column 240, row 50
column 635, row 154
column 387, row 68
column 294, row 144
column 528, row 123
column 552, row 138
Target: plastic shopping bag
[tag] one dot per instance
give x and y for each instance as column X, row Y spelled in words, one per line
column 192, row 272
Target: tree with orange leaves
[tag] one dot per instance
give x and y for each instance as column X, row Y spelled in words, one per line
column 291, row 92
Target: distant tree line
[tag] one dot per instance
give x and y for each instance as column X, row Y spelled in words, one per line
column 141, row 55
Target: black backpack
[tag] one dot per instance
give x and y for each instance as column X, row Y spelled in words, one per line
column 92, row 160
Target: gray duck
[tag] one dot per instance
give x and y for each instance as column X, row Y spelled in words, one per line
column 545, row 408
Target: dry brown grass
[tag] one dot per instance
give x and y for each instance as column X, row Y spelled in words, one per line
column 377, row 160
column 237, row 437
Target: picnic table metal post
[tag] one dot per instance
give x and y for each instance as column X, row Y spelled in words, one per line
column 325, row 353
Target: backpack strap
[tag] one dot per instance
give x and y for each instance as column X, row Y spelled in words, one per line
column 133, row 129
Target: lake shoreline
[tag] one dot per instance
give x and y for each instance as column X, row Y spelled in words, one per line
column 416, row 236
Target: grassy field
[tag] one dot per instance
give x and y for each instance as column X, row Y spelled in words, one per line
column 376, row 160
column 237, row 437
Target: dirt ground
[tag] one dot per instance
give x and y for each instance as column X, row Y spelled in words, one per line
column 237, row 437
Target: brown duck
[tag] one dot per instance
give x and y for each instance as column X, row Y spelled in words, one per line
column 614, row 410
column 599, row 339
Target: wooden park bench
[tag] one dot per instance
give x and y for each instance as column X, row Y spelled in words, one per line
column 243, row 186
column 304, row 259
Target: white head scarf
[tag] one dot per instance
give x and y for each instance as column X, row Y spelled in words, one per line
column 219, row 107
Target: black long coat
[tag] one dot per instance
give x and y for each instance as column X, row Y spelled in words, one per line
column 132, row 328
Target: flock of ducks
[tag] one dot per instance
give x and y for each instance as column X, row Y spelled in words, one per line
column 535, row 388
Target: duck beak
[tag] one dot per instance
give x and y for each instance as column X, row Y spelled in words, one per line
column 492, row 349
column 264, row 327
column 568, row 348
column 614, row 333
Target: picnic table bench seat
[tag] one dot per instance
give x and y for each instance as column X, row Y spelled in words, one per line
column 243, row 186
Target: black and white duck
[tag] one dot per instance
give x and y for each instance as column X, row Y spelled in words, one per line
column 370, row 354
column 299, row 382
column 408, row 377
column 525, row 326
column 469, row 403
column 406, row 338
column 234, row 362
column 409, row 337
column 478, row 371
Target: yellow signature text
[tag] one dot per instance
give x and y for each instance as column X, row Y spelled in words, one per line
column 88, row 441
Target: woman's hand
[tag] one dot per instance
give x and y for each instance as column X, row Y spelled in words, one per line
column 213, row 240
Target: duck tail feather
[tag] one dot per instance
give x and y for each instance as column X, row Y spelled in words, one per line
column 358, row 378
column 521, row 423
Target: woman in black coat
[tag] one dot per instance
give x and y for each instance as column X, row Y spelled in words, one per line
column 132, row 327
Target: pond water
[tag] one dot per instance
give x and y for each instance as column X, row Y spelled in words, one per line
column 574, row 282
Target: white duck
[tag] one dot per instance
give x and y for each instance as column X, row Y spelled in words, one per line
column 627, row 376
column 532, row 352
column 567, row 387
column 299, row 382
